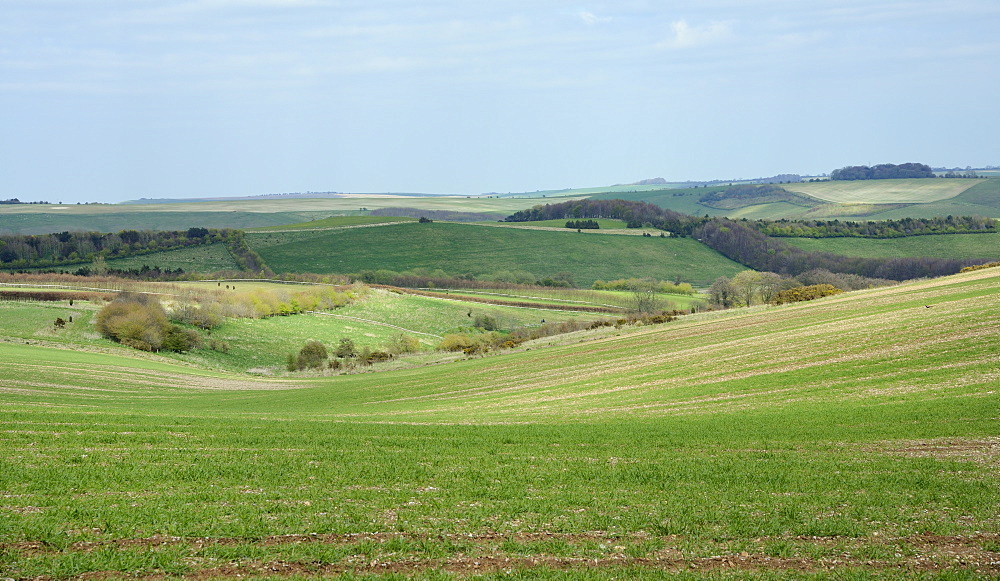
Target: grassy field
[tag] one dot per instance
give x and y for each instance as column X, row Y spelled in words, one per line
column 339, row 222
column 211, row 258
column 938, row 246
column 870, row 199
column 261, row 345
column 460, row 248
column 851, row 437
column 906, row 191
column 40, row 219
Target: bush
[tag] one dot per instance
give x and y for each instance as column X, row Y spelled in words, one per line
column 137, row 321
column 313, row 355
column 805, row 293
column 456, row 342
column 346, row 348
column 403, row 343
column 180, row 340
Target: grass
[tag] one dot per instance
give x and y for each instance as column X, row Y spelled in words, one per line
column 870, row 199
column 340, row 222
column 205, row 259
column 937, row 246
column 262, row 344
column 461, row 248
column 849, row 437
column 905, row 191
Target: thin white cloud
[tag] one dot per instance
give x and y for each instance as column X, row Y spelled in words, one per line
column 591, row 18
column 688, row 36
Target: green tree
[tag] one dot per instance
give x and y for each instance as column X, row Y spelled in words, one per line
column 312, row 355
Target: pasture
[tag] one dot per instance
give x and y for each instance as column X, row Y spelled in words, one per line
column 850, row 437
column 465, row 248
column 937, row 246
column 904, row 191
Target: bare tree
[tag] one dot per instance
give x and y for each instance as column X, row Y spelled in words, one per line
column 747, row 285
column 722, row 292
column 644, row 299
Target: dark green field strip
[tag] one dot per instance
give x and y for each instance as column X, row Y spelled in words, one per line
column 44, row 223
column 459, row 248
column 986, row 246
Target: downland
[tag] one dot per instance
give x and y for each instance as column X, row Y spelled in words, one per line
column 853, row 435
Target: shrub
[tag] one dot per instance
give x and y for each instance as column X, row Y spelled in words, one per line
column 486, row 323
column 403, row 343
column 805, row 293
column 313, row 355
column 455, row 342
column 137, row 321
column 346, row 348
column 180, row 339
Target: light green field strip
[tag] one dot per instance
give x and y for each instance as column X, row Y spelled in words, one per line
column 918, row 341
column 533, row 226
column 909, row 191
column 853, row 437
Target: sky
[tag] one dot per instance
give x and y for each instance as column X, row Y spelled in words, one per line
column 112, row 100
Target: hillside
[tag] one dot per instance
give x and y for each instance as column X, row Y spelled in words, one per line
column 981, row 245
column 870, row 199
column 856, row 431
column 463, row 248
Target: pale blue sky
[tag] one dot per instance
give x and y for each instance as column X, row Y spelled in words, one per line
column 107, row 100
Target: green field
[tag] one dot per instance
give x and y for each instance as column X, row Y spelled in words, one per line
column 905, row 191
column 938, row 246
column 47, row 218
column 340, row 222
column 868, row 199
column 262, row 345
column 853, row 437
column 205, row 259
column 461, row 248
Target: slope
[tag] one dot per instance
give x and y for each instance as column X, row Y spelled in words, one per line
column 850, row 437
column 464, row 248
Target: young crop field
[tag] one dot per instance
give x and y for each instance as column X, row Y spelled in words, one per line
column 464, row 248
column 261, row 345
column 203, row 259
column 936, row 246
column 340, row 222
column 852, row 437
column 905, row 191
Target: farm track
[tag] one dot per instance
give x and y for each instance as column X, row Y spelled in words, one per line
column 501, row 302
column 484, row 553
column 325, row 228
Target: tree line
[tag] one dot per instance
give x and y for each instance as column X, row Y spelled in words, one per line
column 583, row 224
column 883, row 171
column 876, row 229
column 746, row 243
column 634, row 214
column 66, row 248
column 741, row 242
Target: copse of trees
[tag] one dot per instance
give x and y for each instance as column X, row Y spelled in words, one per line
column 583, row 224
column 743, row 243
column 635, row 214
column 65, row 248
column 876, row 229
column 139, row 321
column 883, row 171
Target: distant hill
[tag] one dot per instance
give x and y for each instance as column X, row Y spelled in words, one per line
column 861, row 199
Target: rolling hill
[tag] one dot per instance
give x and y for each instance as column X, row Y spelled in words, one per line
column 464, row 248
column 853, row 433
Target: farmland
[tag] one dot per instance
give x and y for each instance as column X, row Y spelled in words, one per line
column 461, row 248
column 850, row 436
column 939, row 246
column 867, row 199
column 906, row 191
